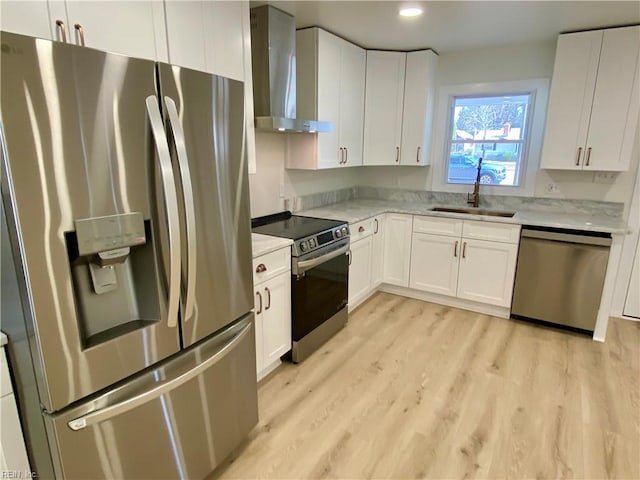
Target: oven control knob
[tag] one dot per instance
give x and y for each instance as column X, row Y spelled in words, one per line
column 303, row 246
column 345, row 232
column 338, row 233
column 312, row 243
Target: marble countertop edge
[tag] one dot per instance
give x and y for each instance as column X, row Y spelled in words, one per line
column 263, row 244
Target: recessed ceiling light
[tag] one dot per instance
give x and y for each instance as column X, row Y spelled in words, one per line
column 410, row 11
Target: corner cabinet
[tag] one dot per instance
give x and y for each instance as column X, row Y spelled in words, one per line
column 594, row 101
column 272, row 294
column 399, row 103
column 330, row 87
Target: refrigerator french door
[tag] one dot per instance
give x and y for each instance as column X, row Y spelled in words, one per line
column 127, row 209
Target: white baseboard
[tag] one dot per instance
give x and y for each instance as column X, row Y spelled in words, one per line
column 502, row 312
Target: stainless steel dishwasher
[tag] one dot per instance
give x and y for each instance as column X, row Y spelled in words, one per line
column 559, row 276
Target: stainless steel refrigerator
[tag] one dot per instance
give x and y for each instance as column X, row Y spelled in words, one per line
column 126, row 274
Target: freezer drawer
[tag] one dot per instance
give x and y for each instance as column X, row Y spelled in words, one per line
column 178, row 421
column 559, row 277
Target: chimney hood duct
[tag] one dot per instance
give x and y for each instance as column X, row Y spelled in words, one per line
column 273, row 59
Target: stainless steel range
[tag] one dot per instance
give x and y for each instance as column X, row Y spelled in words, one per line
column 320, row 276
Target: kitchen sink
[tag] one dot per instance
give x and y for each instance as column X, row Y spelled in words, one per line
column 474, row 211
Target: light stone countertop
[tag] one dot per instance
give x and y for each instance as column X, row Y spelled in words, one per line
column 263, row 244
column 356, row 210
column 3, row 339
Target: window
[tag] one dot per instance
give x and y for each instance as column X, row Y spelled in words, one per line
column 493, row 128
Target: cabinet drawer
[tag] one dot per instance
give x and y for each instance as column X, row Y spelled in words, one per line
column 272, row 264
column 438, row 226
column 498, row 232
column 5, row 380
column 362, row 229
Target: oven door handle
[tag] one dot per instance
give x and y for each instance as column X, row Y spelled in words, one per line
column 314, row 262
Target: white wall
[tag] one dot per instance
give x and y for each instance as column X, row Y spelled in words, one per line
column 271, row 183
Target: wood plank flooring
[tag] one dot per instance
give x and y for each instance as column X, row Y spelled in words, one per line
column 411, row 389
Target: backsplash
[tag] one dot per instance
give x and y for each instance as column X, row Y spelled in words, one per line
column 495, row 202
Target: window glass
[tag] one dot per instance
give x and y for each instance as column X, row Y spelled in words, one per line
column 493, row 128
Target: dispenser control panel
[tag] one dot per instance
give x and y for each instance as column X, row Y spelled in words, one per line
column 99, row 234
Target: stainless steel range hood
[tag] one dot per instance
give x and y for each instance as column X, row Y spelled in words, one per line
column 273, row 59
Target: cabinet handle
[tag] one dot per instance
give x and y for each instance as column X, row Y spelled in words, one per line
column 341, row 156
column 397, row 154
column 418, row 155
column 260, row 307
column 455, row 249
column 588, row 156
column 464, row 249
column 375, row 231
column 266, row 289
column 349, row 256
column 578, row 157
column 346, row 155
column 261, row 268
column 80, row 32
column 63, row 31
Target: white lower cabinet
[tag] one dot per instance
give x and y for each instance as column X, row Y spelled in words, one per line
column 486, row 272
column 397, row 249
column 434, row 265
column 272, row 295
column 360, row 270
column 459, row 264
column 13, row 454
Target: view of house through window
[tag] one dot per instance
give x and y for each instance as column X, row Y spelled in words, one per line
column 493, row 128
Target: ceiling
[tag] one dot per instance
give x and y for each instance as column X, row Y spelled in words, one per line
column 448, row 26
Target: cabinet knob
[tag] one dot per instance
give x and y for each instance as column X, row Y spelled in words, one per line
column 261, row 268
column 361, row 229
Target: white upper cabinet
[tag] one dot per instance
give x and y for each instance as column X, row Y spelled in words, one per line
column 207, row 36
column 27, row 18
column 384, row 102
column 129, row 28
column 330, row 87
column 419, row 97
column 594, row 101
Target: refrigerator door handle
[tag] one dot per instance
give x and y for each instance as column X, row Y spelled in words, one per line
column 167, row 386
column 189, row 203
column 171, row 205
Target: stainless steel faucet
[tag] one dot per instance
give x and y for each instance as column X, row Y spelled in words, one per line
column 474, row 198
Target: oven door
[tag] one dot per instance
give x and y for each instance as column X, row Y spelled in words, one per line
column 319, row 287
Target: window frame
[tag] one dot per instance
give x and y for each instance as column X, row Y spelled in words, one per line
column 532, row 140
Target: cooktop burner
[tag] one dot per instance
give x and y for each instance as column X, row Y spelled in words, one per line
column 295, row 227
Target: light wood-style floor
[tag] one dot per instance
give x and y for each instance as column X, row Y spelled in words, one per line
column 411, row 389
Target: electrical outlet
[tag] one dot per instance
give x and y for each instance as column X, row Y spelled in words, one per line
column 605, row 177
column 552, row 187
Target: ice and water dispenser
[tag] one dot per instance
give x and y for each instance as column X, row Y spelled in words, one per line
column 115, row 278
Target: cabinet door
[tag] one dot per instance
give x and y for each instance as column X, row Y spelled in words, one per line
column 185, row 34
column 397, row 249
column 486, row 271
column 223, row 38
column 616, row 102
column 570, row 99
column 434, row 263
column 127, row 27
column 384, row 95
column 360, row 270
column 328, row 98
column 12, row 447
column 419, row 97
column 276, row 317
column 377, row 251
column 27, row 18
column 353, row 62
